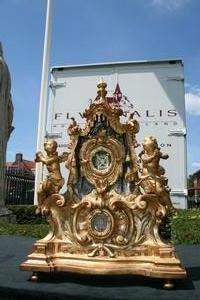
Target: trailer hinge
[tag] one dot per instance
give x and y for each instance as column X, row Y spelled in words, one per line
column 180, row 132
column 54, row 85
column 175, row 78
column 179, row 192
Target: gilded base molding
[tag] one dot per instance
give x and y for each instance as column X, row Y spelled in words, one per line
column 166, row 265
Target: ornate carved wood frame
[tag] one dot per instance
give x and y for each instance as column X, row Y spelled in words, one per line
column 108, row 220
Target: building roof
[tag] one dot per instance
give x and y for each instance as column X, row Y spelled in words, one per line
column 118, row 63
column 21, row 164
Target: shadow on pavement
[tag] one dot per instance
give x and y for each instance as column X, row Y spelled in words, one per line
column 120, row 280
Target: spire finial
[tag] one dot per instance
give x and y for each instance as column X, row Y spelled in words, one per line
column 101, row 89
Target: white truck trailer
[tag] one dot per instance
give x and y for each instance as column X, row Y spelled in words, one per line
column 152, row 90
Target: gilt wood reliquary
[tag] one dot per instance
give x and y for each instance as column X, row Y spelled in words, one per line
column 107, row 221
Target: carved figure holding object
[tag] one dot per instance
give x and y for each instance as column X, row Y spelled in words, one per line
column 54, row 181
column 151, row 169
column 152, row 178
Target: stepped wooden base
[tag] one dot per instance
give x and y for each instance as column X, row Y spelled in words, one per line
column 166, row 265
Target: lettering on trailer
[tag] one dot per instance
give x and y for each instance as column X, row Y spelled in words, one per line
column 148, row 117
column 147, row 123
column 120, row 100
column 136, row 113
column 162, row 145
column 60, row 118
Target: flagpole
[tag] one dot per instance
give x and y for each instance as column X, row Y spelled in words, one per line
column 43, row 93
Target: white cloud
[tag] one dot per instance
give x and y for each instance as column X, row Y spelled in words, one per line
column 196, row 165
column 169, row 4
column 192, row 101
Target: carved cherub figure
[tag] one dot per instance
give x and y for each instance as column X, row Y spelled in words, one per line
column 152, row 179
column 54, row 181
column 150, row 157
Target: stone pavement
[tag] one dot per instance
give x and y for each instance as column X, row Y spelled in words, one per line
column 14, row 283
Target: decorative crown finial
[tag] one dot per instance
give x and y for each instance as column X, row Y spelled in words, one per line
column 101, row 89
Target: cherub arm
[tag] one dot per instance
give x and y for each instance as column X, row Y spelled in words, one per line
column 164, row 156
column 141, row 153
column 63, row 157
column 45, row 160
column 38, row 156
column 148, row 159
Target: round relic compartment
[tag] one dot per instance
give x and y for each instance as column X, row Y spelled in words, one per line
column 101, row 160
column 101, row 223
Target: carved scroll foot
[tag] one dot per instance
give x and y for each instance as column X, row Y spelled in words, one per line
column 34, row 277
column 168, row 284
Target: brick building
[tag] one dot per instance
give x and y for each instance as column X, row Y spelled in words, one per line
column 194, row 189
column 21, row 164
column 20, row 180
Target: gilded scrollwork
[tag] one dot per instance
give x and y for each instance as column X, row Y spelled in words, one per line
column 114, row 202
column 103, row 220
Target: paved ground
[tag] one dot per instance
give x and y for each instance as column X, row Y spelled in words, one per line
column 14, row 284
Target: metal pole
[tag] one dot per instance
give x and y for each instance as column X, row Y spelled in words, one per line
column 43, row 94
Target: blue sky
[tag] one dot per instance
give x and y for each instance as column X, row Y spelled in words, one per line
column 97, row 31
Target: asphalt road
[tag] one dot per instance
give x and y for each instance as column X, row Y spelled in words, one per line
column 14, row 283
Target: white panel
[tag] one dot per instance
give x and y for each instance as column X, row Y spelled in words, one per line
column 157, row 93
